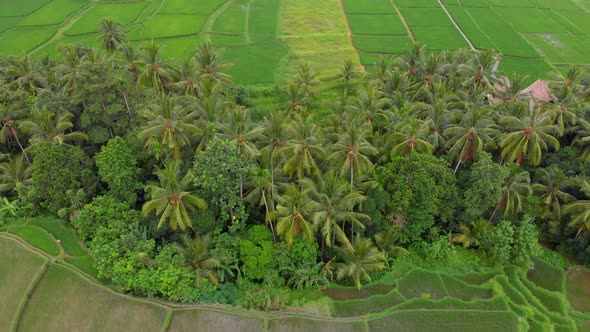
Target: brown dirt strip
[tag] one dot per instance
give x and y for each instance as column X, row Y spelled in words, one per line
column 399, row 13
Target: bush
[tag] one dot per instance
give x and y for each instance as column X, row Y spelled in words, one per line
column 257, row 253
column 99, row 213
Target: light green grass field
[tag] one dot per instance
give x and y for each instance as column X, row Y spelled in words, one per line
column 368, row 7
column 163, row 26
column 37, row 237
column 124, row 13
column 17, row 271
column 382, row 44
column 191, row 7
column 378, row 25
column 53, row 13
column 20, row 8
column 426, row 17
column 233, row 19
column 23, row 40
column 213, row 321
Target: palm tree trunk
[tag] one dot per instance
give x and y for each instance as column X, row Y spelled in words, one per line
column 274, row 237
column 127, row 105
column 457, row 167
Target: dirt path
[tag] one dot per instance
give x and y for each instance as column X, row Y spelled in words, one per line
column 399, row 13
column 456, row 25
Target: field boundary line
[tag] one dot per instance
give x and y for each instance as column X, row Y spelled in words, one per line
column 168, row 320
column 67, row 23
column 208, row 25
column 349, row 29
column 456, row 25
column 247, row 23
column 29, row 295
column 399, row 13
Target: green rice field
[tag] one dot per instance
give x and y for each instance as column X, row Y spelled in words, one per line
column 264, row 38
column 49, row 291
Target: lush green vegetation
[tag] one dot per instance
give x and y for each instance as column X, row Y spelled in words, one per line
column 423, row 175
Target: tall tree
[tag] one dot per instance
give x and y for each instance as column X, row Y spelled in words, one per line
column 111, row 34
column 48, row 126
column 172, row 199
column 295, row 212
column 358, row 260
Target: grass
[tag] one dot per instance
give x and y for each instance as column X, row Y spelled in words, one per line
column 67, row 235
column 303, row 324
column 184, row 320
column 81, row 306
column 53, row 13
column 8, row 22
column 511, row 3
column 450, row 303
column 264, row 20
column 20, row 8
column 463, row 291
column 442, row 321
column 37, row 237
column 530, row 20
column 579, row 18
column 163, row 26
column 232, row 19
column 471, row 29
column 179, row 47
column 382, row 44
column 255, row 64
column 417, row 3
column 368, row 7
column 18, row 268
column 373, row 304
column 419, row 283
column 438, row 39
column 221, row 40
column 556, row 4
column 577, row 289
column 531, row 68
column 190, row 7
column 564, row 22
column 124, row 13
column 379, row 25
column 561, row 48
column 85, row 264
column 426, row 17
column 24, row 39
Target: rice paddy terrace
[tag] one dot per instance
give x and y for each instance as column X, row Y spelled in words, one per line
column 54, row 288
column 262, row 38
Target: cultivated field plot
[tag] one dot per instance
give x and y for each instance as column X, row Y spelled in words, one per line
column 265, row 39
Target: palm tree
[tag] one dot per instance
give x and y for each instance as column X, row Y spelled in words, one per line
column 359, row 260
column 260, row 187
column 410, row 138
column 239, row 129
column 582, row 140
column 111, row 34
column 169, row 125
column 155, row 71
column 8, row 130
column 411, row 59
column 306, row 78
column 25, row 75
column 337, row 200
column 131, row 61
column 347, row 73
column 550, row 189
column 528, row 137
column 472, row 234
column 467, row 139
column 565, row 108
column 15, row 173
column 209, row 63
column 45, row 126
column 352, row 151
column 480, row 71
column 514, row 192
column 296, row 99
column 304, row 148
column 187, row 82
column 198, row 254
column 580, row 210
column 370, row 104
column 172, row 198
column 294, row 213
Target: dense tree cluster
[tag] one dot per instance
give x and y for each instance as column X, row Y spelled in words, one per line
column 183, row 191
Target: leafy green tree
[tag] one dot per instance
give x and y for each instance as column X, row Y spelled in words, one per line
column 59, row 171
column 257, row 253
column 516, row 189
column 218, row 171
column 482, row 188
column 551, row 190
column 473, row 233
column 25, row 75
column 172, row 199
column 111, row 34
column 155, row 71
column 358, row 260
column 197, row 253
column 117, row 166
column 422, row 190
column 99, row 213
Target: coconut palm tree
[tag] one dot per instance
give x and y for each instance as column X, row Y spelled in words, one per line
column 410, row 61
column 304, row 148
column 550, row 190
column 15, row 173
column 111, row 34
column 259, row 188
column 169, row 125
column 306, row 79
column 472, row 234
column 209, row 63
column 514, row 192
column 337, row 200
column 172, row 199
column 155, row 71
column 8, row 130
column 480, row 71
column 580, row 210
column 187, row 82
column 242, row 132
column 358, row 260
column 352, row 151
column 295, row 212
column 24, row 73
column 528, row 137
column 296, row 99
column 47, row 126
column 347, row 73
column 410, row 137
column 197, row 252
column 370, row 104
column 130, row 61
column 468, row 138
